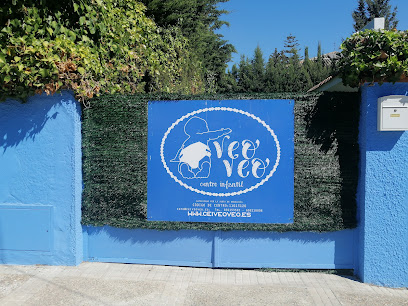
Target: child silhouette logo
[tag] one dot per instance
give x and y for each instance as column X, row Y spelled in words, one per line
column 194, row 155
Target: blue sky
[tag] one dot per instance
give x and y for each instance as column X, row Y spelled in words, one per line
column 267, row 23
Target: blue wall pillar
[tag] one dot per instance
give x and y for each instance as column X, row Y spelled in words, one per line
column 41, row 181
column 382, row 195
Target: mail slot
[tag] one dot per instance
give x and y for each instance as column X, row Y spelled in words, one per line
column 393, row 113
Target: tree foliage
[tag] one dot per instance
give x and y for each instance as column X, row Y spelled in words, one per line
column 367, row 10
column 91, row 46
column 198, row 21
column 284, row 71
column 291, row 45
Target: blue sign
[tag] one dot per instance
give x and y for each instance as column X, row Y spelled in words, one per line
column 221, row 161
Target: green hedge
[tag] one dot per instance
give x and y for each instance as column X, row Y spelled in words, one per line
column 326, row 162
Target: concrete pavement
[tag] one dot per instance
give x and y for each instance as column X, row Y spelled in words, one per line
column 130, row 284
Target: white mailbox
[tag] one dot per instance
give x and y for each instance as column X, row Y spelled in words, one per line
column 393, row 113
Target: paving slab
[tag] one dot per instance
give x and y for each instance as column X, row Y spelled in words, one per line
column 125, row 284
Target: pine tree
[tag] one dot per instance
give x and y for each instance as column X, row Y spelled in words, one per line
column 291, row 72
column 359, row 16
column 291, row 45
column 272, row 72
column 281, row 73
column 258, row 71
column 367, row 10
column 306, row 70
column 245, row 75
column 306, row 62
column 297, row 78
column 317, row 70
column 317, row 67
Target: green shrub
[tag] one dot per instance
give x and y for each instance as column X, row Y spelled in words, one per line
column 90, row 46
column 375, row 56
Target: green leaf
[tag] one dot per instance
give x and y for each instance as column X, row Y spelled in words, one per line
column 72, row 35
column 22, row 40
column 81, row 70
column 102, row 27
column 76, row 6
column 43, row 72
column 7, row 79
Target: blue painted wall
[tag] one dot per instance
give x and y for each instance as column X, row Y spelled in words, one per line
column 382, row 195
column 40, row 205
column 334, row 250
column 40, row 181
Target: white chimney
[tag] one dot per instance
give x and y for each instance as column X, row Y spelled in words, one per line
column 375, row 24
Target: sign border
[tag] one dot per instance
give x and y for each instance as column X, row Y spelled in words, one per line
column 220, row 109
